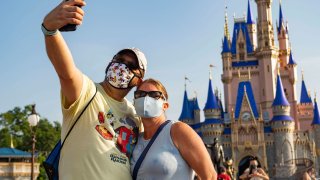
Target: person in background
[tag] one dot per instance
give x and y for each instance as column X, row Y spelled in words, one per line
column 223, row 174
column 253, row 172
column 177, row 150
column 100, row 144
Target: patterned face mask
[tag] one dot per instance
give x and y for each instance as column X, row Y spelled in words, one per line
column 119, row 75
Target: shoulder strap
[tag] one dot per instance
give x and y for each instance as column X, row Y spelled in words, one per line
column 78, row 118
column 145, row 151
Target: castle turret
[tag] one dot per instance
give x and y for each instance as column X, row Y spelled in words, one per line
column 186, row 114
column 251, row 27
column 265, row 26
column 226, row 55
column 212, row 127
column 267, row 55
column 196, row 110
column 316, row 130
column 304, row 96
column 283, row 127
column 283, row 38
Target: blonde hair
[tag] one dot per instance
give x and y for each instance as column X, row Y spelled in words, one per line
column 157, row 84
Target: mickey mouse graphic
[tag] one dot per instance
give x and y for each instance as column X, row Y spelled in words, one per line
column 122, row 131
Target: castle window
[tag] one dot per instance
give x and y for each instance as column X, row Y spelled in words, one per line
column 241, row 46
column 266, row 43
column 268, row 68
column 241, row 55
column 285, row 92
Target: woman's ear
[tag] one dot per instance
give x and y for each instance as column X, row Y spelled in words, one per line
column 165, row 105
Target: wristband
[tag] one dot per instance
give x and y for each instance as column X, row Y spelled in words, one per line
column 47, row 32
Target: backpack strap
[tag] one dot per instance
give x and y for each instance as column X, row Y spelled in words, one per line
column 145, row 151
column 78, row 118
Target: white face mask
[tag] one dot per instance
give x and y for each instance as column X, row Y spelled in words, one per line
column 119, row 75
column 148, row 107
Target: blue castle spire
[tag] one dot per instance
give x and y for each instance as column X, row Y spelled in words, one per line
column 280, row 99
column 211, row 99
column 304, row 98
column 225, row 47
column 280, row 19
column 316, row 117
column 196, row 104
column 249, row 14
column 291, row 60
column 186, row 113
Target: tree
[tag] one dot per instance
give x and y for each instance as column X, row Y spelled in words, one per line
column 14, row 123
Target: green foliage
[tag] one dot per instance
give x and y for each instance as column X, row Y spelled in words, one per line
column 14, row 123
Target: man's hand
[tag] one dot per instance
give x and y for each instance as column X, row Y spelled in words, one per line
column 67, row 12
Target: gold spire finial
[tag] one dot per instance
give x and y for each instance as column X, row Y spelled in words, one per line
column 302, row 73
column 226, row 27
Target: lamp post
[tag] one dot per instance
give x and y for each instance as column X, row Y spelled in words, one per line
column 33, row 120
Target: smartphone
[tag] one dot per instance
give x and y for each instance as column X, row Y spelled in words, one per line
column 69, row 27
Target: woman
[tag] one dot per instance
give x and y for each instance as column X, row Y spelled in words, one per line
column 176, row 150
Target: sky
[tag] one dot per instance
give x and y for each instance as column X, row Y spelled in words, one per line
column 179, row 38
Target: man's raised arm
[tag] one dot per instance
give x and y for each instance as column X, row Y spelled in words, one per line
column 58, row 52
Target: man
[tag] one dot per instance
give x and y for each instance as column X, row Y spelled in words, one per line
column 253, row 172
column 100, row 144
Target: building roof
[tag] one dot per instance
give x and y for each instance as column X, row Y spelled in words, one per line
column 280, row 99
column 241, row 26
column 211, row 99
column 186, row 113
column 225, row 45
column 249, row 15
column 196, row 104
column 245, row 88
column 12, row 152
column 304, row 97
column 291, row 60
column 316, row 117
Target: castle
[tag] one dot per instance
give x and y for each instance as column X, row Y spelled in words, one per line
column 262, row 116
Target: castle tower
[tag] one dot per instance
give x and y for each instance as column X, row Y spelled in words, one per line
column 186, row 114
column 283, row 38
column 316, row 130
column 212, row 127
column 251, row 27
column 265, row 26
column 305, row 108
column 288, row 67
column 267, row 55
column 196, row 110
column 283, row 127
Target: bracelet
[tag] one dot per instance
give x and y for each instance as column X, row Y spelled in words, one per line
column 47, row 32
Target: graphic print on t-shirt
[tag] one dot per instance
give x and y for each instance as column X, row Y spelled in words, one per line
column 123, row 131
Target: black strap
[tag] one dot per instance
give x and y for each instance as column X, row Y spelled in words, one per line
column 145, row 151
column 78, row 118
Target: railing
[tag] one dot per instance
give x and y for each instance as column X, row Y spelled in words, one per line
column 303, row 164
